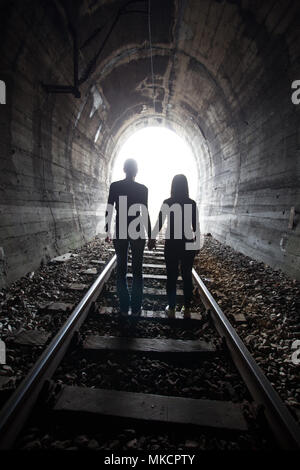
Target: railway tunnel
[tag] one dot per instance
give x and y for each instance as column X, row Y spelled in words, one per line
column 83, row 76
column 79, row 79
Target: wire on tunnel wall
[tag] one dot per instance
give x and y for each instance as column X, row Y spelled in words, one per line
column 151, row 52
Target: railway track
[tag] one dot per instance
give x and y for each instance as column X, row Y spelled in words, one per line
column 105, row 347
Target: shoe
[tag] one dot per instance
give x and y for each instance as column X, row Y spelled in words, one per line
column 123, row 314
column 170, row 311
column 136, row 314
column 186, row 311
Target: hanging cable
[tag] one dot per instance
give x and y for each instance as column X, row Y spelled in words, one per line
column 151, row 54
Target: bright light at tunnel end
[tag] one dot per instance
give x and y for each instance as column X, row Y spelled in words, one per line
column 160, row 154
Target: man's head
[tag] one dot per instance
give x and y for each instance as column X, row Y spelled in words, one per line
column 130, row 168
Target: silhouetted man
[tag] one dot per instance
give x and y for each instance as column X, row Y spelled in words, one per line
column 132, row 226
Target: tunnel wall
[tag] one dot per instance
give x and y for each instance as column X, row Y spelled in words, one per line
column 52, row 181
column 244, row 108
column 222, row 72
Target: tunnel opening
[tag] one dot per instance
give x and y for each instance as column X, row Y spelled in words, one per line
column 160, row 154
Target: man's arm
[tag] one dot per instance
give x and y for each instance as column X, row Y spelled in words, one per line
column 109, row 211
column 151, row 243
column 149, row 221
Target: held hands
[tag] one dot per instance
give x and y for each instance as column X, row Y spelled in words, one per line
column 151, row 244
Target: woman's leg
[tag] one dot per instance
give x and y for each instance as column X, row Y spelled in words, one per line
column 171, row 257
column 187, row 260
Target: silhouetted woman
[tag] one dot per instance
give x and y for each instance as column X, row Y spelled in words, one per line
column 182, row 241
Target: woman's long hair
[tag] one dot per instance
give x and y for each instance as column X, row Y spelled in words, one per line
column 179, row 188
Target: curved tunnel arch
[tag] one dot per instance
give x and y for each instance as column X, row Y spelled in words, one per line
column 223, row 72
column 183, row 118
column 143, row 111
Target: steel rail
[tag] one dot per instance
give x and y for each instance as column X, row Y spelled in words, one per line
column 283, row 425
column 18, row 407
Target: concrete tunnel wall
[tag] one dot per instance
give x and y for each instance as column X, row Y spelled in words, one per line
column 222, row 79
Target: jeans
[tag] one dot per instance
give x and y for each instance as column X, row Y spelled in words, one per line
column 176, row 253
column 137, row 249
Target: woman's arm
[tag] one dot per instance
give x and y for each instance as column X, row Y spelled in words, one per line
column 196, row 225
column 195, row 218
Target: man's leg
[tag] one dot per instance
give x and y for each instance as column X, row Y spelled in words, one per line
column 121, row 247
column 137, row 250
column 171, row 258
column 187, row 260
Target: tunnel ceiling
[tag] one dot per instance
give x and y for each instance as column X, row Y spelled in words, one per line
column 222, row 74
column 211, row 60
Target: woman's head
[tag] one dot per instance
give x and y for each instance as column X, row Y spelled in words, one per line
column 180, row 187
